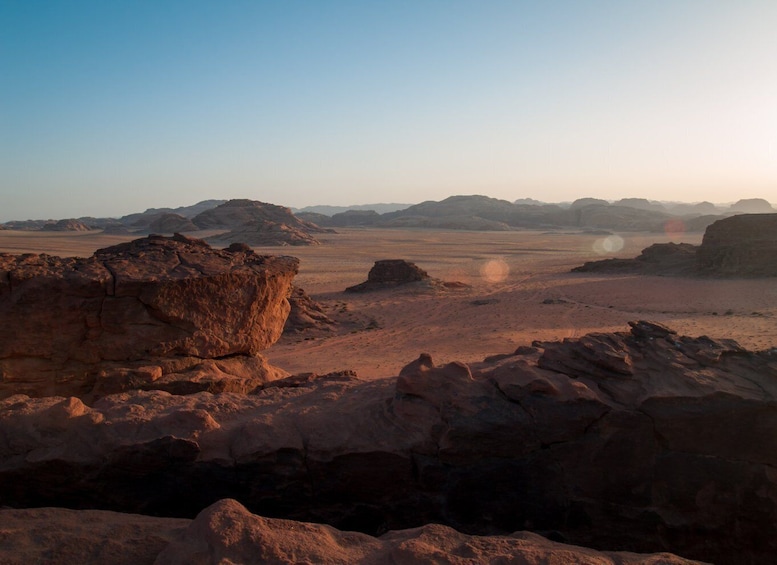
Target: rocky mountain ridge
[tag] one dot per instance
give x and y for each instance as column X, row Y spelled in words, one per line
column 456, row 212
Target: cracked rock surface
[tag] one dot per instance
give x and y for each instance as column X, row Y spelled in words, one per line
column 137, row 314
column 641, row 440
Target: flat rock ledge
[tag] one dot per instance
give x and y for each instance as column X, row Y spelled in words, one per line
column 642, row 441
column 227, row 532
column 160, row 312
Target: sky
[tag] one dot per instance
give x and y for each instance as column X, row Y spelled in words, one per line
column 109, row 108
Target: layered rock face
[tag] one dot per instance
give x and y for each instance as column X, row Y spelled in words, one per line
column 744, row 245
column 640, row 441
column 135, row 314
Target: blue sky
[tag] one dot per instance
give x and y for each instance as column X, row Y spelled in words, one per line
column 107, row 108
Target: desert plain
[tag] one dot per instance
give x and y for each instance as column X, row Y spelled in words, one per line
column 519, row 289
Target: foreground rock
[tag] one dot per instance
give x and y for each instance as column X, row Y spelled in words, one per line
column 227, row 533
column 168, row 313
column 739, row 246
column 641, row 441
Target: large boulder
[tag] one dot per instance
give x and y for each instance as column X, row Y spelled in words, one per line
column 138, row 312
column 641, row 441
column 741, row 246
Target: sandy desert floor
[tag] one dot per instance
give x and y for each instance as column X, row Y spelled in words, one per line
column 510, row 275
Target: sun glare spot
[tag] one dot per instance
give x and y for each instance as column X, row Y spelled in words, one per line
column 494, row 270
column 609, row 244
column 674, row 228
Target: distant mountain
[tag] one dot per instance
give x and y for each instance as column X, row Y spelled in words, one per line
column 640, row 204
column 529, row 202
column 682, row 208
column 142, row 220
column 588, row 201
column 66, row 225
column 332, row 210
column 752, row 206
column 477, row 212
column 257, row 223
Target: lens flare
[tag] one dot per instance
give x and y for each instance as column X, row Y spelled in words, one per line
column 494, row 270
column 609, row 244
column 674, row 228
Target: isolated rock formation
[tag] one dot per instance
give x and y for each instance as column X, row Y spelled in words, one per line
column 393, row 273
column 741, row 246
column 641, row 441
column 137, row 315
column 390, row 273
column 227, row 532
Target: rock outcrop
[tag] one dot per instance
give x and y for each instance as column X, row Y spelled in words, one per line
column 390, row 273
column 306, row 313
column 640, row 441
column 140, row 314
column 227, row 532
column 658, row 259
column 740, row 246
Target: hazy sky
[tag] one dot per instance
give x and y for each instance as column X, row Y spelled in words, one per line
column 111, row 107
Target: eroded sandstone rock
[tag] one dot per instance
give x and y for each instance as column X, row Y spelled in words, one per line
column 740, row 246
column 642, row 441
column 138, row 312
column 391, row 273
column 227, row 532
